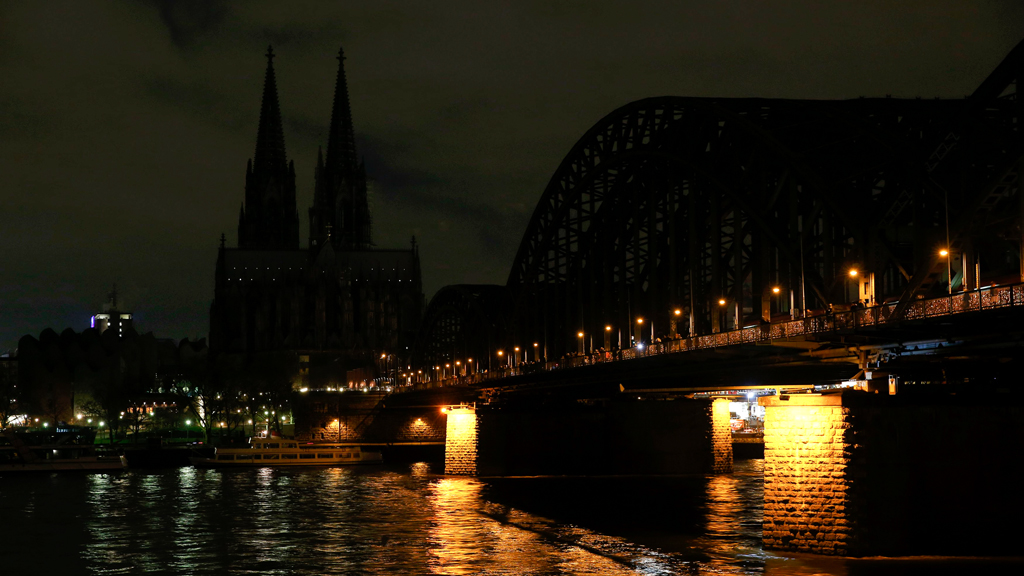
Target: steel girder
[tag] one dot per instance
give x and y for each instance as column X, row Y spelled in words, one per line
column 463, row 321
column 677, row 203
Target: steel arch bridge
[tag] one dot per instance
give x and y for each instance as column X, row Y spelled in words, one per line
column 702, row 214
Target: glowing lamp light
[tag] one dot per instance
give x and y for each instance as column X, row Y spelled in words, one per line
column 79, row 416
column 853, row 273
column 580, row 334
column 639, row 320
column 188, row 422
column 501, row 353
column 444, row 410
column 775, row 290
column 101, row 423
column 943, row 252
column 721, row 301
column 639, row 345
column 678, row 312
column 606, row 329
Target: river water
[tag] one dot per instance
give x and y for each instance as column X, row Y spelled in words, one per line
column 402, row 520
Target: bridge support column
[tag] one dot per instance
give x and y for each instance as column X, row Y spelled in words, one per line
column 807, row 441
column 460, row 443
column 856, row 473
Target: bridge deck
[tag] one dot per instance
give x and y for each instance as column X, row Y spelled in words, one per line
column 820, row 327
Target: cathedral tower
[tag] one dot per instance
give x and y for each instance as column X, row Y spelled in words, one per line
column 340, row 209
column 269, row 218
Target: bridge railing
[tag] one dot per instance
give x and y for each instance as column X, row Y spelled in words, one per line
column 957, row 303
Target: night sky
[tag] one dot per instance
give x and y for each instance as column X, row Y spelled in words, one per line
column 125, row 127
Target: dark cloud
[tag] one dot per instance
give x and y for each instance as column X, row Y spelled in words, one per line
column 125, row 127
column 189, row 20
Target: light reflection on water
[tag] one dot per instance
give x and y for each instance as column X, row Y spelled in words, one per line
column 391, row 521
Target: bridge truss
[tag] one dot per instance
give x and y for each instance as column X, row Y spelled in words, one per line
column 707, row 214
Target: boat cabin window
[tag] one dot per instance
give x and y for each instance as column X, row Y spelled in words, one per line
column 225, row 456
column 271, row 456
column 288, row 456
column 243, row 457
column 256, row 457
column 274, row 445
column 321, row 455
column 304, row 456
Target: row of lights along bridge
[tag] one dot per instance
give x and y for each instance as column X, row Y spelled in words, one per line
column 519, row 355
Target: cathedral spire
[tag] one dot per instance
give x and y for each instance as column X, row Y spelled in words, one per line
column 269, row 219
column 270, row 135
column 341, row 144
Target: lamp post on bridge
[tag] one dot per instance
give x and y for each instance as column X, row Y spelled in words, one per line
column 949, row 270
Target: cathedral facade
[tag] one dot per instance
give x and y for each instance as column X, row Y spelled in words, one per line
column 340, row 296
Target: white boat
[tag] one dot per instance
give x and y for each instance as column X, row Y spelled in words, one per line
column 279, row 452
column 68, row 448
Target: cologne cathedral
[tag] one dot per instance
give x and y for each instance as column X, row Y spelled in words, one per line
column 341, row 295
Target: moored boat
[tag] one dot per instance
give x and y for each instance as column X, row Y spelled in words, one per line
column 279, row 452
column 67, row 448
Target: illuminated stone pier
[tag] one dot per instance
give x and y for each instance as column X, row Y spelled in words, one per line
column 858, row 474
column 643, row 437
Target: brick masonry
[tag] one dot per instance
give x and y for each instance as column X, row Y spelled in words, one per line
column 917, row 473
column 354, row 416
column 721, row 437
column 807, row 444
column 460, row 447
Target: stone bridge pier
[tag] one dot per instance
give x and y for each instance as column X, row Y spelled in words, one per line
column 633, row 438
column 856, row 473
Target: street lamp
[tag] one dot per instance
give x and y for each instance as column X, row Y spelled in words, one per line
column 536, row 351
column 639, row 328
column 580, row 336
column 517, row 356
column 852, row 273
column 673, row 323
column 949, row 271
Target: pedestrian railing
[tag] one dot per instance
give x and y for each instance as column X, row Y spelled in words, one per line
column 953, row 304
